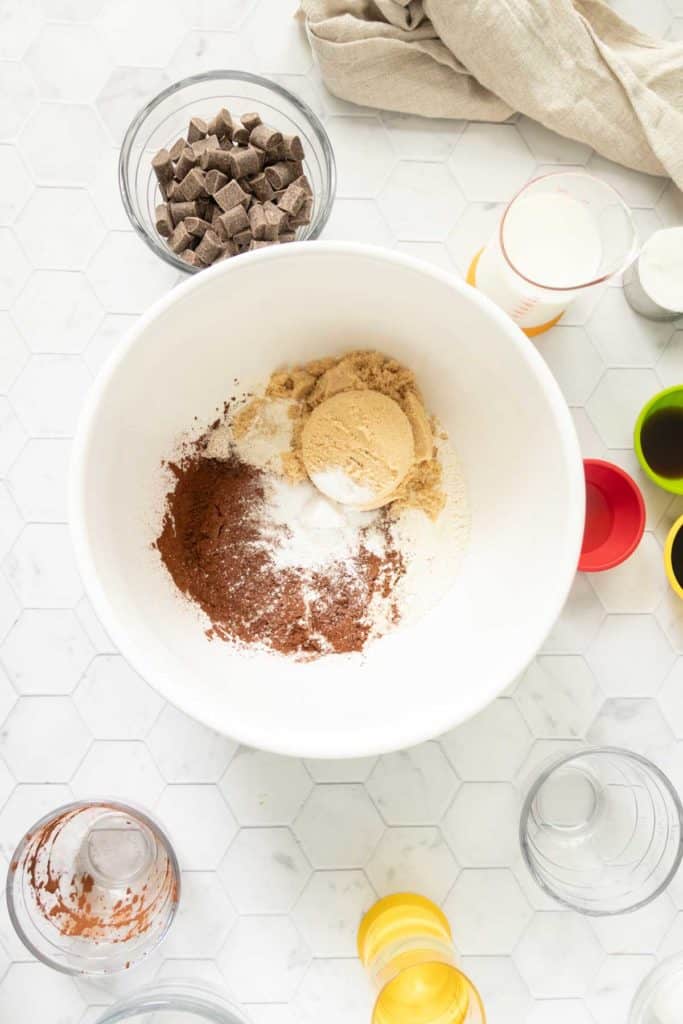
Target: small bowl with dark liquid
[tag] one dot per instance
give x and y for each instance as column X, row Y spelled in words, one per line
column 658, row 439
column 615, row 516
column 673, row 557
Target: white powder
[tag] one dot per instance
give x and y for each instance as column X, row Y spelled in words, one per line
column 433, row 551
column 318, row 531
column 269, row 434
column 339, row 486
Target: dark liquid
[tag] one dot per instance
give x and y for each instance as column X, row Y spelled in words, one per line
column 661, row 439
column 677, row 557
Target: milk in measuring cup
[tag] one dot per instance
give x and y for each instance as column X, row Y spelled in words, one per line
column 551, row 239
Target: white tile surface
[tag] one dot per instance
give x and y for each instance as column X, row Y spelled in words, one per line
column 338, row 827
column 283, row 857
column 413, row 859
column 330, row 910
column 412, row 787
column 264, row 871
column 490, row 909
column 476, row 760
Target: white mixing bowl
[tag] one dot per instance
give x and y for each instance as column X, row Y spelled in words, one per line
column 485, row 382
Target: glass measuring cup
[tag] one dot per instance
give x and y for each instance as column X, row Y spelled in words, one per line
column 562, row 234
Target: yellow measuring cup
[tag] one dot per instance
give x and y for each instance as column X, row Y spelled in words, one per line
column 405, row 943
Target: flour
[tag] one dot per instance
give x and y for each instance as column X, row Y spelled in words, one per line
column 433, row 550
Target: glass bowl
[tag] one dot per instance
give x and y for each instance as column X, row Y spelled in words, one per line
column 166, row 117
column 660, row 996
column 601, row 831
column 174, row 1002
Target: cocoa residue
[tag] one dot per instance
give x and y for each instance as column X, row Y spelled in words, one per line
column 73, row 903
column 216, row 549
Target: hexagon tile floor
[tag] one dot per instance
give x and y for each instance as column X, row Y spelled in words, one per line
column 280, row 857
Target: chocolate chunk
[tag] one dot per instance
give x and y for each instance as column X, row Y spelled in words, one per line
column 230, row 195
column 234, row 220
column 242, row 240
column 282, row 174
column 264, row 137
column 245, row 161
column 240, row 134
column 177, row 148
column 209, row 248
column 204, row 207
column 172, row 191
column 202, row 146
column 191, row 257
column 256, row 244
column 162, row 165
column 304, row 215
column 215, row 180
column 197, row 129
column 163, row 220
column 303, row 182
column 250, row 121
column 287, row 236
column 261, row 187
column 221, row 124
column 181, row 238
column 229, row 249
column 293, row 199
column 186, row 162
column 217, row 160
column 276, row 220
column 193, row 184
column 179, row 211
column 197, row 226
column 257, row 222
column 291, row 148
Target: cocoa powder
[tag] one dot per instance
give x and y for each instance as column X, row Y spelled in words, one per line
column 214, row 545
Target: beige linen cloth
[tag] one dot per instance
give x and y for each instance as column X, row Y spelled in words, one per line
column 574, row 66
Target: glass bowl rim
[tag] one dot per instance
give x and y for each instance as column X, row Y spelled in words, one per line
column 218, row 74
column 651, row 983
column 187, row 994
column 75, row 805
column 576, row 755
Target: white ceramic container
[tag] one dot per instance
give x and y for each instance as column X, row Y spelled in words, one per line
column 479, row 374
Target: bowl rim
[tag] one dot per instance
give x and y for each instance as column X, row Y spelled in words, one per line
column 375, row 738
column 220, row 74
column 617, row 471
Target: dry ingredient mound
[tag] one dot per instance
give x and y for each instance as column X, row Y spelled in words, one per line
column 220, row 548
column 256, row 542
column 357, row 447
column 309, row 385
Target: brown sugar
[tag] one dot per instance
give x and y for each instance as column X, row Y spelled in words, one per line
column 314, row 382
